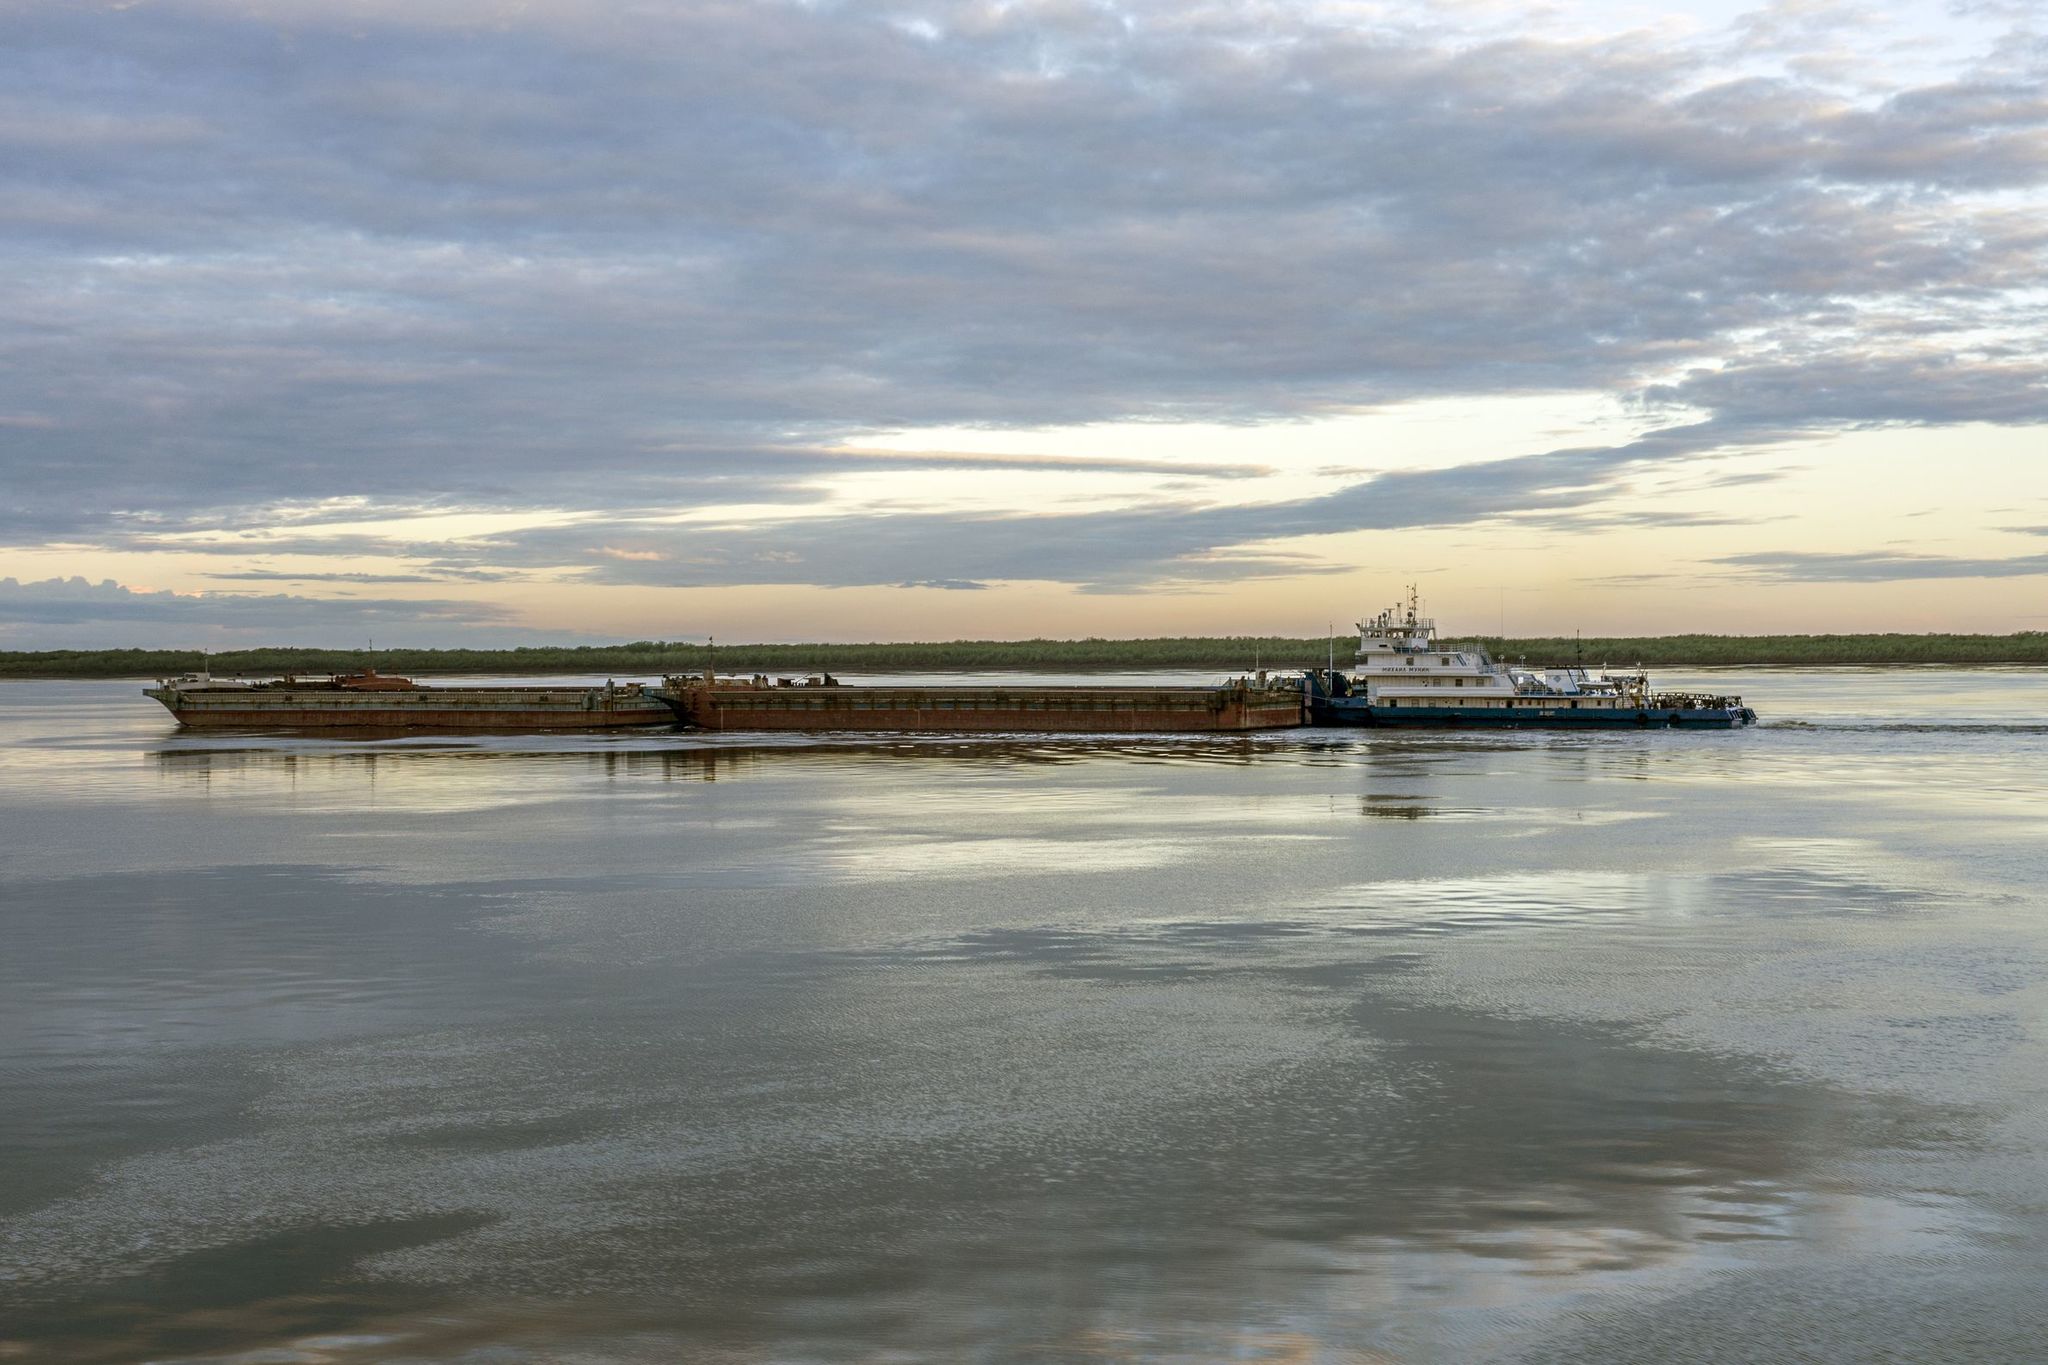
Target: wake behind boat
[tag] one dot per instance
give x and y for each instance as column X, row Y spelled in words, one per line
column 1405, row 676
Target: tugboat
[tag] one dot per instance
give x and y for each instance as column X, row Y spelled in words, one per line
column 1405, row 676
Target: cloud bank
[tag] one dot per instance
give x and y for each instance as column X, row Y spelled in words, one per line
column 629, row 264
column 54, row 609
column 1795, row 567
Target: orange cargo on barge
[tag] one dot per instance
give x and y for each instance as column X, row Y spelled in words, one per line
column 374, row 701
column 823, row 704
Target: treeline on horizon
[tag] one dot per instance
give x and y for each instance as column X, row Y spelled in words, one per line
column 1233, row 653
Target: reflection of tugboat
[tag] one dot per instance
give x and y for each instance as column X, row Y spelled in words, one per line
column 1405, row 677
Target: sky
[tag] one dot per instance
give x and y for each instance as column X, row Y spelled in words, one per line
column 479, row 322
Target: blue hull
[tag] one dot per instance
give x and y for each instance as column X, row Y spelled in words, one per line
column 1355, row 711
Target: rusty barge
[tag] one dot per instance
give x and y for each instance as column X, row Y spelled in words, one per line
column 822, row 703
column 375, row 701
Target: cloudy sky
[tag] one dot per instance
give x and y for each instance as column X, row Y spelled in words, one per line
column 487, row 321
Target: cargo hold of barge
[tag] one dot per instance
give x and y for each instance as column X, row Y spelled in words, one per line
column 824, row 704
column 375, row 701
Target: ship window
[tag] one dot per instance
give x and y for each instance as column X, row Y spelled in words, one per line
column 1446, row 661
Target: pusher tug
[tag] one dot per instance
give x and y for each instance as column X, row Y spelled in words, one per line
column 1405, row 676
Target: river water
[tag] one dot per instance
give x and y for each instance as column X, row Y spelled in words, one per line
column 1306, row 1046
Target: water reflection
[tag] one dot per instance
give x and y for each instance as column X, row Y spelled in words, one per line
column 702, row 758
column 1300, row 1046
column 198, row 767
column 802, row 1147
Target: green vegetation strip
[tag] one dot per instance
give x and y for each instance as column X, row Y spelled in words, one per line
column 653, row 657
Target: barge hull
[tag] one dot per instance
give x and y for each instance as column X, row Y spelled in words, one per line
column 1527, row 718
column 986, row 710
column 422, row 709
column 415, row 720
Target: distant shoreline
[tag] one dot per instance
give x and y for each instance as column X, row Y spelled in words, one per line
column 1232, row 653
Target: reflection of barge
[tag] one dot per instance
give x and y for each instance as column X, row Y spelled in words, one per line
column 822, row 703
column 1405, row 677
column 373, row 701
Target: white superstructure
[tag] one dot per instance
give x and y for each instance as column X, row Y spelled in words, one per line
column 1402, row 664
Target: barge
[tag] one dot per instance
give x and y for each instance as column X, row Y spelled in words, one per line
column 1405, row 676
column 373, row 701
column 821, row 702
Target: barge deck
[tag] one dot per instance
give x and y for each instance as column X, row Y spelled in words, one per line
column 825, row 705
column 371, row 701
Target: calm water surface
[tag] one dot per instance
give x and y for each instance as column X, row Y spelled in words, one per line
column 1309, row 1046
